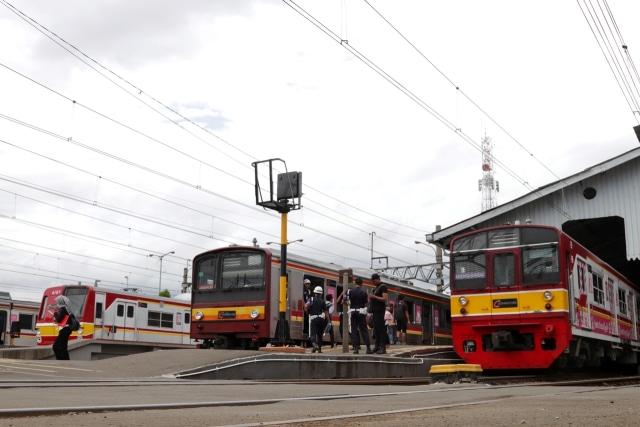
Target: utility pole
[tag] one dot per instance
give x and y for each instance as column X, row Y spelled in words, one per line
column 289, row 188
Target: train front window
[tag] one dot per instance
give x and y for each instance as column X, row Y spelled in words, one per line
column 470, row 271
column 206, row 274
column 540, row 265
column 504, row 269
column 78, row 297
column 243, row 270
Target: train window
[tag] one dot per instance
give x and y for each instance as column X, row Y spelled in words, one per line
column 99, row 310
column 470, row 271
column 598, row 288
column 187, row 318
column 540, row 265
column 470, row 243
column 159, row 319
column 243, row 270
column 120, row 310
column 622, row 301
column 27, row 321
column 130, row 311
column 206, row 274
column 504, row 269
column 78, row 297
column 533, row 235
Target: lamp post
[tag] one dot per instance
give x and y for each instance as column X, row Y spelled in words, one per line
column 160, row 280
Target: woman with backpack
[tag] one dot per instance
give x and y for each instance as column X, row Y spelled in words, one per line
column 62, row 317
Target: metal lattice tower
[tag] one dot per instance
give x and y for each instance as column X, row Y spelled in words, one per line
column 488, row 185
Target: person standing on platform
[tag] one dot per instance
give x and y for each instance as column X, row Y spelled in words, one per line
column 357, row 298
column 62, row 317
column 306, row 296
column 318, row 312
column 388, row 319
column 378, row 302
column 328, row 321
column 401, row 314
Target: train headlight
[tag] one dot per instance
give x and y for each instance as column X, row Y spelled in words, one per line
column 255, row 313
column 199, row 315
column 548, row 296
column 463, row 301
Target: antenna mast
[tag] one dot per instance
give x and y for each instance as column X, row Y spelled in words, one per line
column 488, row 185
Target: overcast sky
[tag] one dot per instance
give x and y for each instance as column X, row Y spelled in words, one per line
column 130, row 128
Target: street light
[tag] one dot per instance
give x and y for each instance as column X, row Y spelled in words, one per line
column 161, row 256
column 288, row 243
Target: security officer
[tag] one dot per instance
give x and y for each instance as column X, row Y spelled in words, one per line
column 358, row 300
column 318, row 311
column 379, row 298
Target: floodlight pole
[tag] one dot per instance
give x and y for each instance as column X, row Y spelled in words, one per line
column 283, row 198
column 282, row 327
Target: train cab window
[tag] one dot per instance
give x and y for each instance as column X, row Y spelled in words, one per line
column 504, row 269
column 469, row 271
column 206, row 274
column 540, row 265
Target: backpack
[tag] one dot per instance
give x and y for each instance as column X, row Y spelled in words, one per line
column 398, row 312
column 75, row 323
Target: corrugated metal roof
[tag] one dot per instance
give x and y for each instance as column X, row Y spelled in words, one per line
column 617, row 185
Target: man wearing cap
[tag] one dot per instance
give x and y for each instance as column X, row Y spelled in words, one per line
column 306, row 296
column 318, row 312
column 379, row 299
column 357, row 298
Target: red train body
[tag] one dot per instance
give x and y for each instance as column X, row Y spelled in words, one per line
column 528, row 296
column 236, row 295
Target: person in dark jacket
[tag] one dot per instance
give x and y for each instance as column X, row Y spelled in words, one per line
column 379, row 298
column 318, row 312
column 62, row 317
column 357, row 298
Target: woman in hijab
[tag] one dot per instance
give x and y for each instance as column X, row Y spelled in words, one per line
column 62, row 317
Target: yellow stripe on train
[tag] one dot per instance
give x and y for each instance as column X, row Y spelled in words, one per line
column 511, row 302
column 229, row 313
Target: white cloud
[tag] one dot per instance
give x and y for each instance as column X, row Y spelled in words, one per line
column 261, row 82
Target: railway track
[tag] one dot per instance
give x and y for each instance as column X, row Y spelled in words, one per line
column 244, row 403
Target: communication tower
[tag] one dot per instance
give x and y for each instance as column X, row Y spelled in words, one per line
column 488, row 185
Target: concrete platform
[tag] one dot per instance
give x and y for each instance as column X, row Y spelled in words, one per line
column 199, row 364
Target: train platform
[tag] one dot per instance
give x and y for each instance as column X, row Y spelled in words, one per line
column 200, row 364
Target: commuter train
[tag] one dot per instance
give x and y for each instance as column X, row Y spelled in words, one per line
column 17, row 322
column 236, row 293
column 531, row 297
column 118, row 316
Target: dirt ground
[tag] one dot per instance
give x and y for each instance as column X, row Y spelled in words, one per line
column 617, row 407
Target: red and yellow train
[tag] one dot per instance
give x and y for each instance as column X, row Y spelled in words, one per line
column 529, row 296
column 235, row 298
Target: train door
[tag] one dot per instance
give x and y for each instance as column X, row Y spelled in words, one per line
column 183, row 318
column 428, row 324
column 3, row 324
column 98, row 321
column 125, row 321
column 503, row 284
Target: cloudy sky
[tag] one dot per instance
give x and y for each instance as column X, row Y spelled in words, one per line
column 130, row 128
